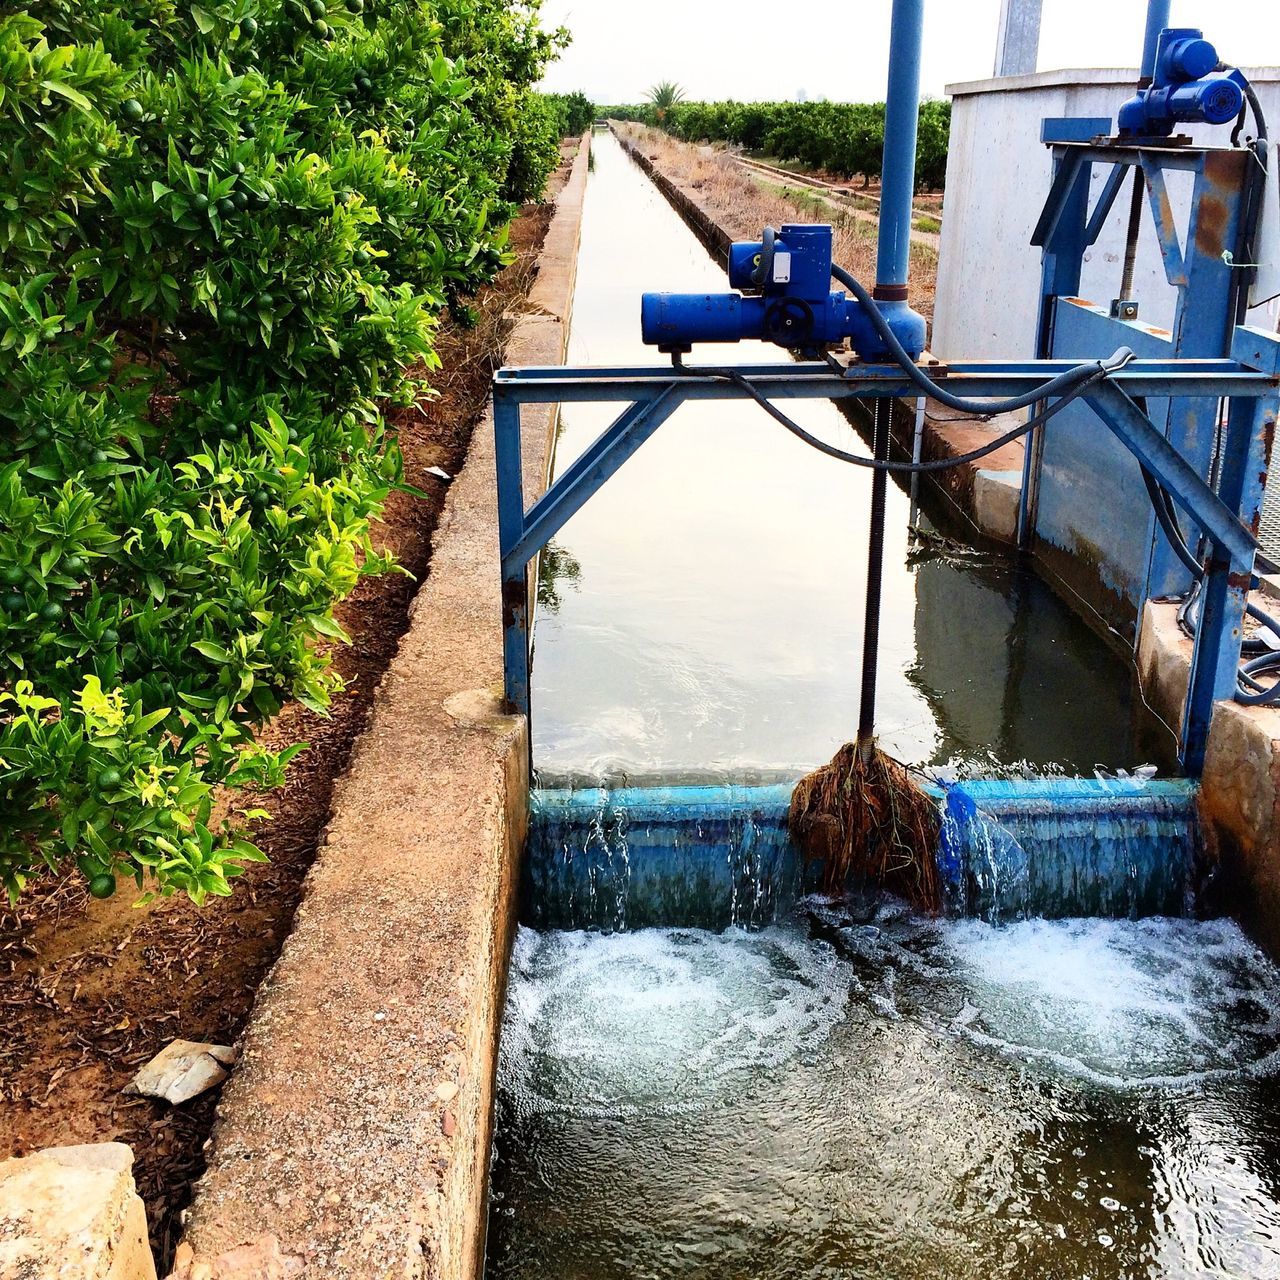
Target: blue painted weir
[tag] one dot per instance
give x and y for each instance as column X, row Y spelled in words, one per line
column 716, row 856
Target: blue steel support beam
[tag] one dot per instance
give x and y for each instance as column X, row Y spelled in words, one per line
column 1250, row 427
column 1131, row 427
column 902, row 108
column 543, row 384
column 1106, row 202
column 654, row 394
column 586, row 475
column 1175, row 267
column 1062, row 233
column 515, row 585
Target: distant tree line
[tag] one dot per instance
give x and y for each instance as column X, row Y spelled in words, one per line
column 573, row 113
column 844, row 138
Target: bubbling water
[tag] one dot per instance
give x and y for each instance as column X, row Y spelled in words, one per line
column 1121, row 1003
column 939, row 1100
column 660, row 1018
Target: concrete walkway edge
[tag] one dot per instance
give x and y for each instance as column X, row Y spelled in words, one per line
column 353, row 1139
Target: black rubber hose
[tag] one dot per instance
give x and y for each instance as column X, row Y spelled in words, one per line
column 1256, row 107
column 1168, row 524
column 1059, row 386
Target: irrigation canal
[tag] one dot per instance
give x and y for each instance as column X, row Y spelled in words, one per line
column 701, row 618
column 846, row 1094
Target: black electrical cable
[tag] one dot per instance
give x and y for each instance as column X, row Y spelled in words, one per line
column 1249, row 692
column 906, row 468
column 1060, row 386
column 1167, row 518
column 1256, row 107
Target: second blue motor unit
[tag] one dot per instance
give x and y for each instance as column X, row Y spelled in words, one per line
column 1189, row 86
column 785, row 297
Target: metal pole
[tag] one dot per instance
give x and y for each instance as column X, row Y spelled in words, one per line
column 898, row 171
column 875, row 566
column 1018, row 38
column 515, row 588
column 1157, row 20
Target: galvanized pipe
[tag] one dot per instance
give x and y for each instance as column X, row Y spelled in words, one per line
column 902, row 107
column 1157, row 20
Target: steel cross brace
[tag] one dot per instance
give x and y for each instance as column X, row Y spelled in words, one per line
column 651, row 394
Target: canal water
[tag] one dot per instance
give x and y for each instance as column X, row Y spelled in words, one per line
column 846, row 1093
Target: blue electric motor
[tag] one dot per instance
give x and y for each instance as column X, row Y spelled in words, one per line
column 785, row 297
column 1186, row 87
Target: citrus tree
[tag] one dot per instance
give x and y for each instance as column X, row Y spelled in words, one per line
column 227, row 231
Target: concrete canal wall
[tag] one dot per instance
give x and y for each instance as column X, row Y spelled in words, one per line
column 354, row 1138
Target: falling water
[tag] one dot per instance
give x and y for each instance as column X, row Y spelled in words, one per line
column 715, row 857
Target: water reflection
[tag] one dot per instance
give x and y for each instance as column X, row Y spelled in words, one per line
column 676, row 1102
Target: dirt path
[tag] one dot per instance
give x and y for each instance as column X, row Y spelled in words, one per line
column 773, row 178
column 742, row 202
column 90, row 990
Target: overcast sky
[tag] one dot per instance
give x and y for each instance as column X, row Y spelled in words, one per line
column 761, row 50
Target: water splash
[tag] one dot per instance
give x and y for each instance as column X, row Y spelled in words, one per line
column 1118, row 1003
column 659, row 1019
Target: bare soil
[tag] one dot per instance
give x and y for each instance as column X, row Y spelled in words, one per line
column 91, row 990
column 742, row 204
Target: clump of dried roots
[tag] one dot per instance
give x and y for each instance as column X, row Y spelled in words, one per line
column 866, row 818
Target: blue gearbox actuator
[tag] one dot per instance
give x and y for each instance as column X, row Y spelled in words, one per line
column 785, row 297
column 1187, row 86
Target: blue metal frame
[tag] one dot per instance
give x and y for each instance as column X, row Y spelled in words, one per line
column 1079, row 492
column 652, row 394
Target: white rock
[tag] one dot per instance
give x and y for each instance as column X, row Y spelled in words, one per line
column 183, row 1070
column 71, row 1213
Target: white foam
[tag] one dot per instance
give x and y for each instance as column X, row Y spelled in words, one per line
column 1117, row 1001
column 660, row 1018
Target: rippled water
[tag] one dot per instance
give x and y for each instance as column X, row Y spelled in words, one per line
column 908, row 1099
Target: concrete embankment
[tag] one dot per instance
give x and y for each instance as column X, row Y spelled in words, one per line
column 354, row 1138
column 983, row 494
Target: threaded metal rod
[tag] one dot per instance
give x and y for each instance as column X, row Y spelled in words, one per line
column 1131, row 240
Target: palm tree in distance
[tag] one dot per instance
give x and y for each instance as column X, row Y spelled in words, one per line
column 664, row 95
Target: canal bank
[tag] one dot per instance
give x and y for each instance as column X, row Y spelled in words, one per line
column 353, row 1138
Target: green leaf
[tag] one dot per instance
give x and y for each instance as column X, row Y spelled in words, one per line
column 215, row 652
column 74, row 96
